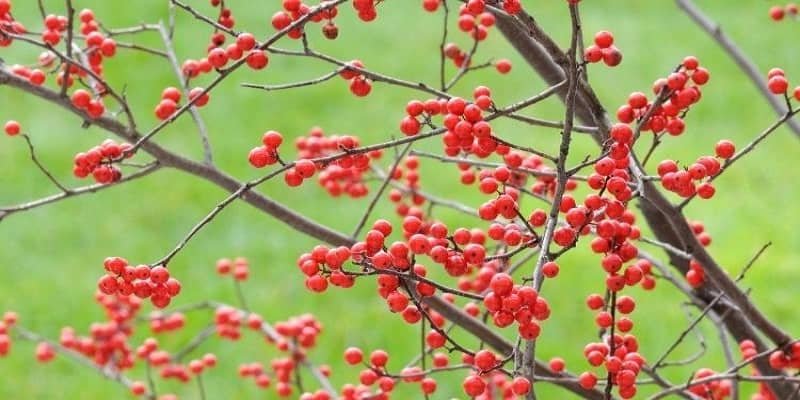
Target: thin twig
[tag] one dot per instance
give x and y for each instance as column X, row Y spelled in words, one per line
column 68, row 60
column 41, row 167
column 198, row 120
column 294, row 85
column 750, row 147
column 379, row 193
column 8, row 210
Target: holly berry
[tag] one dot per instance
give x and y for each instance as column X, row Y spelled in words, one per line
column 12, row 128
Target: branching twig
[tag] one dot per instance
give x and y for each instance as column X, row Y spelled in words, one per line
column 198, row 120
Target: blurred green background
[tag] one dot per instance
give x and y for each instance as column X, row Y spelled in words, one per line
column 50, row 258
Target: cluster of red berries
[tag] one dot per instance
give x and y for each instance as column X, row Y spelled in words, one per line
column 54, row 26
column 181, row 372
column 749, row 352
column 107, row 341
column 504, row 205
column 514, row 175
column 171, row 96
column 467, row 131
column 162, row 360
column 225, row 17
column 461, row 58
column 682, row 89
column 466, row 128
column 218, row 57
column 98, row 160
column 696, row 275
column 141, row 281
column 624, row 305
column 682, row 181
column 623, row 364
column 256, row 59
column 408, row 171
column 7, row 323
column 283, row 369
column 8, row 24
column 366, row 9
column 255, row 370
column 295, row 9
column 35, row 76
column 84, row 101
column 479, row 281
column 360, row 85
column 778, row 84
column 342, row 176
column 509, row 303
column 474, row 19
column 239, row 268
column 613, row 235
column 603, row 50
column 788, row 357
column 267, row 154
column 98, row 46
column 171, row 322
column 303, row 331
column 323, row 262
column 615, row 229
column 228, row 322
column 777, row 13
column 494, row 384
column 459, row 252
column 714, row 390
column 376, row 374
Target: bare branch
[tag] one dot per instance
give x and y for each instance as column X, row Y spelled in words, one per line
column 42, row 167
column 6, row 211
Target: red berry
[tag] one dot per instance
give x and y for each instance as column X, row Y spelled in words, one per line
column 485, row 360
column 778, row 84
column 305, row 168
column 706, row 190
column 502, row 284
column 776, row 13
column 520, row 386
column 138, row 388
column 379, row 358
column 473, row 385
column 725, row 149
column 353, row 355
column 503, row 66
column 159, row 274
column 257, row 59
column 246, row 41
column 603, row 39
column 587, row 380
column 12, row 128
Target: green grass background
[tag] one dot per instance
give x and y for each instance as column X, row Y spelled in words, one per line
column 50, row 258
